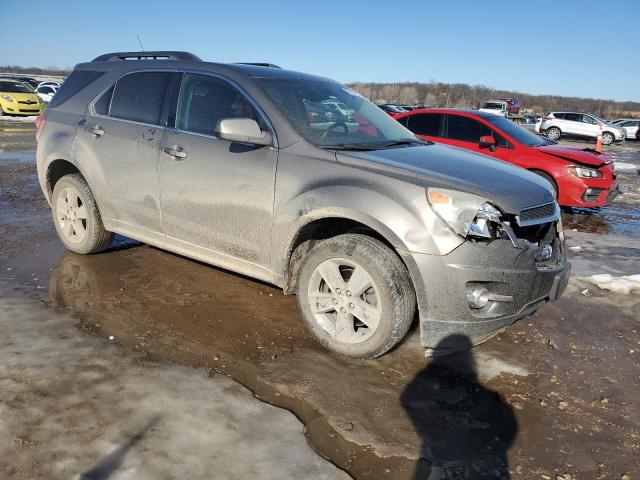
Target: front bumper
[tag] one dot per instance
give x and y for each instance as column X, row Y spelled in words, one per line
column 518, row 284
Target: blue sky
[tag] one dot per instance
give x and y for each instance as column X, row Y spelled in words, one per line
column 582, row 48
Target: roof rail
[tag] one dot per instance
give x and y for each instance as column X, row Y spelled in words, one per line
column 157, row 55
column 259, row 64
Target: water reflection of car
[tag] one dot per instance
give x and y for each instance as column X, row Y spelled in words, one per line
column 16, row 98
column 580, row 178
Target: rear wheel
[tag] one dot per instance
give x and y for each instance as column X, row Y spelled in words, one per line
column 76, row 216
column 553, row 133
column 607, row 138
column 355, row 296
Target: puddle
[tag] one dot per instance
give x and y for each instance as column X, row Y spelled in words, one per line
column 21, row 156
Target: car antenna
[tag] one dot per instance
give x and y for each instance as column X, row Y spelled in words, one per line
column 141, row 47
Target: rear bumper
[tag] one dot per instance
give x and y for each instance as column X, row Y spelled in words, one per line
column 517, row 284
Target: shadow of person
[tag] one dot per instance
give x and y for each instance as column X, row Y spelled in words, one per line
column 465, row 428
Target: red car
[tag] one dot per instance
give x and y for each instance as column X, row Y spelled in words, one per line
column 580, row 177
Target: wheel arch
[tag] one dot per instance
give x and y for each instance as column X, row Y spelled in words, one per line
column 323, row 226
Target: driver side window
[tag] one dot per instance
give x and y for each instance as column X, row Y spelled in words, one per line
column 588, row 119
column 204, row 100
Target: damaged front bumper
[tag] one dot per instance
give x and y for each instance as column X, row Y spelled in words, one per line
column 515, row 277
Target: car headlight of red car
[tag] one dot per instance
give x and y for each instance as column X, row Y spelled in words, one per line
column 584, row 172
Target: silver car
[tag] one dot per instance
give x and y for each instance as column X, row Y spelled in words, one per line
column 235, row 165
column 573, row 124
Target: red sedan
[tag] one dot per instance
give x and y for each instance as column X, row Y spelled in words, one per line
column 580, row 177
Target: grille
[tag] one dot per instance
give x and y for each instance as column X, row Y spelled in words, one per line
column 542, row 211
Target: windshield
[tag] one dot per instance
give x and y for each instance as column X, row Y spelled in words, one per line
column 331, row 115
column 14, row 87
column 519, row 134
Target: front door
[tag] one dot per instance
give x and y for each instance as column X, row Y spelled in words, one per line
column 216, row 195
column 465, row 132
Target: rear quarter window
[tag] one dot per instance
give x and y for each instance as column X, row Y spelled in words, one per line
column 76, row 81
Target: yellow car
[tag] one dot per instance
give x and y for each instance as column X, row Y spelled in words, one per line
column 18, row 99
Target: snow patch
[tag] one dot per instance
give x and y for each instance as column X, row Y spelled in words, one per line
column 626, row 167
column 622, row 284
column 30, row 119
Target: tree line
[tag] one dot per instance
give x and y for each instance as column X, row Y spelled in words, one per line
column 54, row 71
column 462, row 95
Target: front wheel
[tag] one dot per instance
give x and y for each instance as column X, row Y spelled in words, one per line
column 355, row 296
column 553, row 133
column 607, row 138
column 76, row 216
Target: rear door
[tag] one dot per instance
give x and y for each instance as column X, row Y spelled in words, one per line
column 465, row 132
column 122, row 131
column 217, row 198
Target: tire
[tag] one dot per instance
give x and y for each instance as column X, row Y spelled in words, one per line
column 607, row 138
column 550, row 179
column 76, row 216
column 387, row 303
column 553, row 133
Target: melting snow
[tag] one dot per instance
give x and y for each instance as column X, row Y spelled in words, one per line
column 623, row 284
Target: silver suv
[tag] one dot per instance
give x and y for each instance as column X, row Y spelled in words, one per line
column 574, row 124
column 248, row 167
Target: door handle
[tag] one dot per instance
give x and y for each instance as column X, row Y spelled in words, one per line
column 96, row 131
column 176, row 152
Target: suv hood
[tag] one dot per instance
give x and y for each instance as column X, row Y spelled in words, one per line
column 576, row 155
column 509, row 187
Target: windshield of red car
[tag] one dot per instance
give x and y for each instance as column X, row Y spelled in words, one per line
column 519, row 134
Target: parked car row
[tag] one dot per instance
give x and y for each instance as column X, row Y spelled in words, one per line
column 17, row 98
column 44, row 90
column 579, row 177
column 574, row 124
column 369, row 225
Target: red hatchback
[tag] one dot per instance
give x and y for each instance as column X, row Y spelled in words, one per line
column 580, row 177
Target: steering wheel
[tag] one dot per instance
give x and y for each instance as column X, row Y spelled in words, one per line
column 332, row 128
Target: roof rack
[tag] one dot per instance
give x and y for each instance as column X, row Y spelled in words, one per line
column 157, row 55
column 258, row 64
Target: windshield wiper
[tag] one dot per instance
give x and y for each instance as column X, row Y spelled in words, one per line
column 375, row 146
column 350, row 146
column 405, row 141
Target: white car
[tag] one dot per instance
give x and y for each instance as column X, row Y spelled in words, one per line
column 51, row 83
column 46, row 92
column 574, row 124
column 630, row 127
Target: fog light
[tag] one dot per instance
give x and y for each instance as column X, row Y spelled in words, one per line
column 477, row 297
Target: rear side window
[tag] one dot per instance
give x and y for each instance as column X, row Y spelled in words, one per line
column 559, row 115
column 466, row 129
column 404, row 121
column 574, row 117
column 139, row 97
column 101, row 107
column 426, row 124
column 76, row 81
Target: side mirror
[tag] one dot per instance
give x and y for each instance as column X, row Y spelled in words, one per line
column 487, row 141
column 243, row 130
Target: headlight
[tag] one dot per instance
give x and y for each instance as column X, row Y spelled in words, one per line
column 8, row 98
column 584, row 172
column 466, row 214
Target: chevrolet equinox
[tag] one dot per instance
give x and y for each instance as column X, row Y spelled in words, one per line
column 301, row 182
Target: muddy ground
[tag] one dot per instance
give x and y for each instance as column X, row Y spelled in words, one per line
column 555, row 394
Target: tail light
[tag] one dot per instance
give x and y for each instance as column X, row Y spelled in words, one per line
column 40, row 121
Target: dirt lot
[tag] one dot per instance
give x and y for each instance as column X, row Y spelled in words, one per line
column 555, row 394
